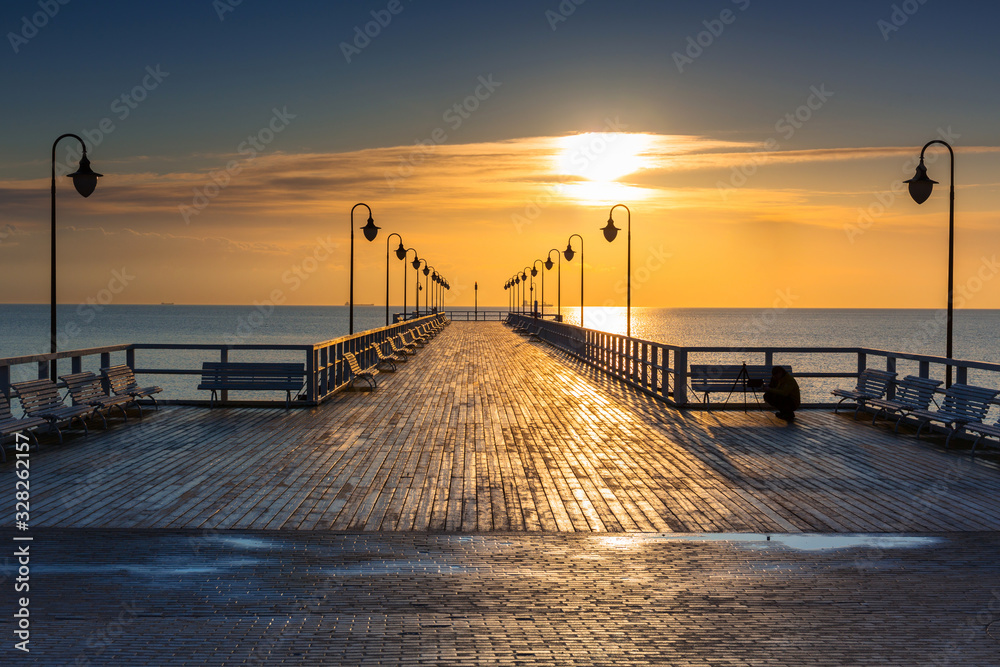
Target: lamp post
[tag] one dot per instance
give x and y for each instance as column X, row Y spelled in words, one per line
column 610, row 232
column 406, row 254
column 400, row 254
column 417, row 288
column 475, row 290
column 920, row 187
column 534, row 272
column 371, row 231
column 548, row 267
column 437, row 291
column 517, row 292
column 427, row 297
column 526, row 283
column 569, row 254
column 85, row 181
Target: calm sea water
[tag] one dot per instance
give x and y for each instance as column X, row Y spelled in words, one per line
column 24, row 330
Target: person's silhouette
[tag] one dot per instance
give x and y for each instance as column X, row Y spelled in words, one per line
column 783, row 393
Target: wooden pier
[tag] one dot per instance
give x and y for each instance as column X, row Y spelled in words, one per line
column 485, row 431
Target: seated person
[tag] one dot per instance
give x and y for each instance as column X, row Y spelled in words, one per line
column 782, row 393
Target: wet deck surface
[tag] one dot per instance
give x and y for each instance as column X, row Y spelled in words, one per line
column 483, row 431
column 298, row 597
column 496, row 503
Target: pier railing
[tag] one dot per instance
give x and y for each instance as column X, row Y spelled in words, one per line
column 326, row 372
column 663, row 370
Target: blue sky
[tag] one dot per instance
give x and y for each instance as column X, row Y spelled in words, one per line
column 223, row 78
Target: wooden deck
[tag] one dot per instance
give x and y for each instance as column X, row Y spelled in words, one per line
column 484, row 431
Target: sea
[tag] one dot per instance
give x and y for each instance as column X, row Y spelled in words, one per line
column 24, row 330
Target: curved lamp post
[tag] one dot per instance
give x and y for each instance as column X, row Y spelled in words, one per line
column 517, row 293
column 436, row 293
column 400, row 254
column 534, row 272
column 427, row 297
column 569, row 254
column 371, row 231
column 85, row 181
column 610, row 232
column 528, row 283
column 548, row 267
column 406, row 254
column 417, row 288
column 920, row 187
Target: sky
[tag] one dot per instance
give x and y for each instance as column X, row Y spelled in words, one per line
column 760, row 147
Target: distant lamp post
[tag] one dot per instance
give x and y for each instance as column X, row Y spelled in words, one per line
column 610, row 232
column 427, row 297
column 548, row 267
column 85, row 181
column 528, row 284
column 416, row 290
column 475, row 290
column 569, row 254
column 405, row 255
column 920, row 187
column 400, row 254
column 370, row 231
column 517, row 293
column 534, row 272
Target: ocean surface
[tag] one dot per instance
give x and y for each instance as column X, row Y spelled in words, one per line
column 24, row 330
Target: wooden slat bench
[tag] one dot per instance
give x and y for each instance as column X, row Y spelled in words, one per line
column 86, row 389
column 358, row 373
column 872, row 383
column 246, row 376
column 9, row 424
column 912, row 393
column 963, row 404
column 40, row 398
column 707, row 379
column 122, row 382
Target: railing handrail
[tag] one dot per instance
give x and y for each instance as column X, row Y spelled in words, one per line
column 324, row 370
column 655, row 367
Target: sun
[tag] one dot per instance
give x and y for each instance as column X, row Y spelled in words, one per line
column 603, row 157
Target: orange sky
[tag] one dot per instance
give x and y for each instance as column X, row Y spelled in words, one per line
column 715, row 224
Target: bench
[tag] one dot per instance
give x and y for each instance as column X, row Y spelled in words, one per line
column 982, row 430
column 40, row 398
column 386, row 362
column 706, row 379
column 245, row 376
column 963, row 404
column 407, row 349
column 121, row 379
column 86, row 389
column 9, row 424
column 912, row 393
column 358, row 373
column 872, row 384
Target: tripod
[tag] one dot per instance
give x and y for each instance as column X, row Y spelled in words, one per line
column 744, row 380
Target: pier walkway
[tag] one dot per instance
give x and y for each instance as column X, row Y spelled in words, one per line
column 498, row 503
column 483, row 431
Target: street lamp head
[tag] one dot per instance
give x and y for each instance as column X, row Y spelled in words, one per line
column 370, row 230
column 524, row 276
column 517, row 280
column 416, row 262
column 534, row 272
column 610, row 231
column 920, row 185
column 401, row 251
column 427, row 270
column 569, row 253
column 85, row 178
